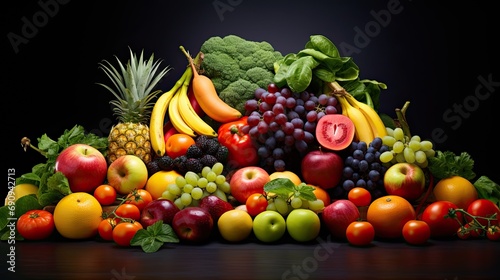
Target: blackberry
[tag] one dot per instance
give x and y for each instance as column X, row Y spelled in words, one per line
column 208, row 160
column 194, row 152
column 211, row 146
column 200, row 141
column 194, row 164
column 165, row 163
column 152, row 167
column 180, row 164
column 222, row 154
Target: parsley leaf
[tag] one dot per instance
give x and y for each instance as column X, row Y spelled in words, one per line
column 286, row 189
column 446, row 164
column 154, row 236
column 488, row 189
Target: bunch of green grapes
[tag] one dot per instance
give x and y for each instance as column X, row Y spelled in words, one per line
column 406, row 149
column 190, row 188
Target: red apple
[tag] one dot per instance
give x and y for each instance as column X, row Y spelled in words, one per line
column 322, row 168
column 406, row 180
column 338, row 215
column 215, row 205
column 193, row 224
column 83, row 165
column 127, row 173
column 168, row 130
column 248, row 180
column 159, row 209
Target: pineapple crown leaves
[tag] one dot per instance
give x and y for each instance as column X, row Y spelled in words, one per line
column 133, row 86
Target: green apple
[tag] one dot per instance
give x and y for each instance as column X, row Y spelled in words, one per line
column 406, row 180
column 127, row 173
column 303, row 225
column 269, row 226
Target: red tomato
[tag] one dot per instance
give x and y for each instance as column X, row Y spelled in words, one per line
column 177, row 144
column 483, row 208
column 493, row 233
column 124, row 232
column 360, row 233
column 463, row 233
column 256, row 203
column 105, row 228
column 360, row 196
column 139, row 198
column 436, row 216
column 35, row 224
column 416, row 232
column 130, row 211
column 105, row 194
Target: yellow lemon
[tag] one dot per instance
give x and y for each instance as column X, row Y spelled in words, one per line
column 235, row 225
column 77, row 215
column 286, row 174
column 20, row 191
column 159, row 181
column 456, row 189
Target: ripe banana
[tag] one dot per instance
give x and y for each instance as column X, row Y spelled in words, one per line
column 376, row 123
column 157, row 119
column 176, row 118
column 363, row 130
column 190, row 117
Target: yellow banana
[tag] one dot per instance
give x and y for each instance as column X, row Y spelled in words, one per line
column 363, row 130
column 189, row 115
column 157, row 119
column 376, row 123
column 176, row 118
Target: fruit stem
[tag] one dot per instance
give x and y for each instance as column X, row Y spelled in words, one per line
column 401, row 116
column 26, row 142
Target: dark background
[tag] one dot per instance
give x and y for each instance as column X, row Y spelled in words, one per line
column 429, row 54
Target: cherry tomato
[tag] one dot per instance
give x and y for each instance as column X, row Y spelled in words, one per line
column 105, row 194
column 130, row 211
column 177, row 144
column 360, row 233
column 124, row 232
column 483, row 208
column 493, row 233
column 359, row 196
column 105, row 228
column 463, row 233
column 35, row 224
column 436, row 216
column 256, row 203
column 416, row 232
column 139, row 198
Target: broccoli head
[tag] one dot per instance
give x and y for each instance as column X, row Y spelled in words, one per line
column 238, row 66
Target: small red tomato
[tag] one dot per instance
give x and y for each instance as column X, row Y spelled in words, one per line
column 105, row 228
column 416, row 232
column 360, row 233
column 359, row 196
column 256, row 203
column 124, row 232
column 140, row 198
column 35, row 224
column 127, row 210
column 437, row 216
column 493, row 233
column 105, row 194
column 483, row 208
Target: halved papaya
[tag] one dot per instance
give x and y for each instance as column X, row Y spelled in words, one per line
column 335, row 131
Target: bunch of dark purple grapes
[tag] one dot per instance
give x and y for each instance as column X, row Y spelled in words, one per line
column 283, row 123
column 362, row 168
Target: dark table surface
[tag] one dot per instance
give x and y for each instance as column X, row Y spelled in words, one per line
column 324, row 258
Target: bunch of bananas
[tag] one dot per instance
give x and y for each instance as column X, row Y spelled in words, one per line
column 368, row 124
column 182, row 115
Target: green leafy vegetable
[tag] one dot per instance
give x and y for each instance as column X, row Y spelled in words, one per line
column 488, row 189
column 154, row 236
column 446, row 164
column 286, row 189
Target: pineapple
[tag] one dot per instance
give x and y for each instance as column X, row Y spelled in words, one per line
column 133, row 90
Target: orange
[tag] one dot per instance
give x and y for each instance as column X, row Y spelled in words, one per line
column 177, row 144
column 456, row 189
column 159, row 181
column 286, row 174
column 388, row 215
column 235, row 225
column 78, row 215
column 322, row 194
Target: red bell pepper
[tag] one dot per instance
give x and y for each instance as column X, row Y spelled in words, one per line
column 242, row 151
